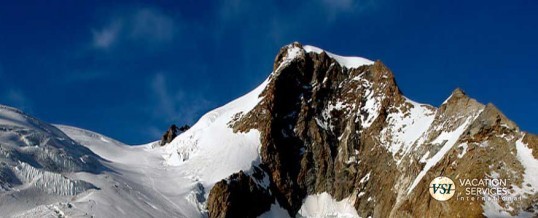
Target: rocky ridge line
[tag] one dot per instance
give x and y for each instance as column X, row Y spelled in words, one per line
column 328, row 128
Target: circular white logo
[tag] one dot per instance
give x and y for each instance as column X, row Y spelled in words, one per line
column 442, row 188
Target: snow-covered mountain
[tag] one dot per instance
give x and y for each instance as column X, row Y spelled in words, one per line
column 57, row 171
column 323, row 136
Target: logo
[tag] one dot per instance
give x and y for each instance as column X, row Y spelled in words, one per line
column 442, row 188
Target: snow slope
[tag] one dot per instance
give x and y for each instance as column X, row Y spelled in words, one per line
column 139, row 184
column 57, row 171
column 170, row 181
column 524, row 155
column 127, row 181
column 37, row 161
column 135, row 183
column 210, row 151
column 173, row 180
column 32, row 141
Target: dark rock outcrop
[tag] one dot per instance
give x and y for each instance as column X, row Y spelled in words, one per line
column 184, row 128
column 306, row 142
column 169, row 135
column 240, row 195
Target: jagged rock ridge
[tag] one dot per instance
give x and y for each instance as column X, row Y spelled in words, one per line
column 328, row 126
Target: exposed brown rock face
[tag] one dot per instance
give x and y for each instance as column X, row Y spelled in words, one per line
column 351, row 133
column 240, row 195
column 169, row 135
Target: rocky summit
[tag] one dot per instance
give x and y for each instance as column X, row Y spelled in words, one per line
column 329, row 125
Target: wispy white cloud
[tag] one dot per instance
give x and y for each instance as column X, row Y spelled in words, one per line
column 281, row 20
column 172, row 106
column 13, row 96
column 266, row 25
column 147, row 26
column 165, row 102
column 16, row 98
column 175, row 105
column 153, row 131
column 336, row 8
column 152, row 26
column 105, row 37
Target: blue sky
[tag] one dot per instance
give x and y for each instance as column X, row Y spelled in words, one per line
column 130, row 69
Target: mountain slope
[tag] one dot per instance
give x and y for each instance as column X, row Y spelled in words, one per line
column 56, row 171
column 36, row 162
column 143, row 180
column 138, row 184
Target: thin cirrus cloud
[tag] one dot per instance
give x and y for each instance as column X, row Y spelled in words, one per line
column 13, row 96
column 149, row 27
column 16, row 98
column 269, row 9
column 107, row 36
column 174, row 106
column 165, row 101
column 282, row 21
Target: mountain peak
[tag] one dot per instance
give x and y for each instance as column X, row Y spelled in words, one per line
column 296, row 50
column 457, row 95
column 296, row 44
column 458, row 92
column 287, row 54
column 345, row 61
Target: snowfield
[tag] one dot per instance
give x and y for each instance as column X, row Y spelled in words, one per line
column 210, row 151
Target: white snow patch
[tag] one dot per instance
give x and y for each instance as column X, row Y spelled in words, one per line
column 324, row 205
column 371, row 106
column 447, row 140
column 525, row 157
column 325, row 122
column 493, row 209
column 405, row 129
column 349, row 62
column 464, row 148
column 365, row 178
column 424, row 157
column 293, row 52
column 528, row 187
